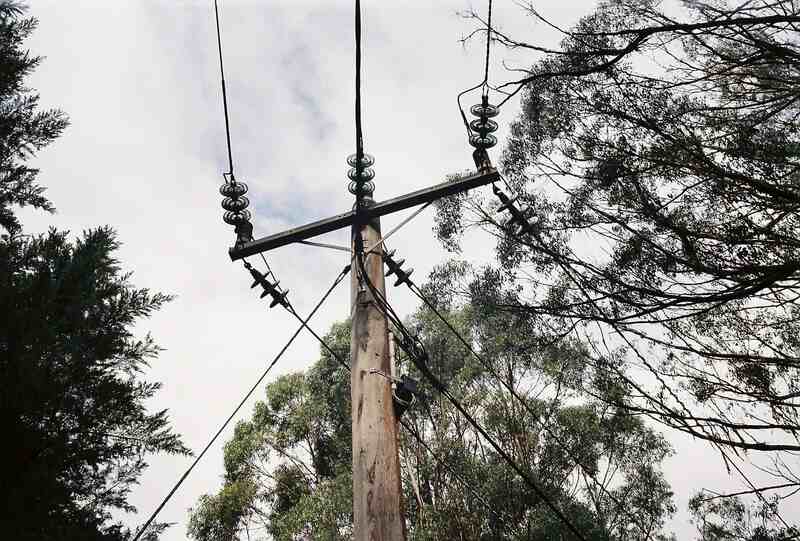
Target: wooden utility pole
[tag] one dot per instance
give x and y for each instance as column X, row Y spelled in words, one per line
column 377, row 507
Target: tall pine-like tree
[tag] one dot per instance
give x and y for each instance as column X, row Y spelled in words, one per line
column 24, row 129
column 76, row 432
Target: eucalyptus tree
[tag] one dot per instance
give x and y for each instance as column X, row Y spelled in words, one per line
column 655, row 159
column 287, row 469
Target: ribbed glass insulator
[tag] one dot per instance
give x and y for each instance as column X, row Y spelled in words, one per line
column 235, row 204
column 366, row 174
column 486, row 141
column 367, row 160
column 368, row 188
column 236, row 218
column 483, row 125
column 484, row 111
column 233, row 189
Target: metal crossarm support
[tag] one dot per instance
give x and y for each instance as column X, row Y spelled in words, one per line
column 378, row 209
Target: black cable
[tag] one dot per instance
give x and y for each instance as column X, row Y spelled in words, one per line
column 416, row 352
column 466, row 484
column 485, row 81
column 488, row 46
column 224, row 95
column 416, row 290
column 236, row 410
column 359, row 134
column 321, row 340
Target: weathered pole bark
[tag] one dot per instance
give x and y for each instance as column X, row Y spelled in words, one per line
column 377, row 514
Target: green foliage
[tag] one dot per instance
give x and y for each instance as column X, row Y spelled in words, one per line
column 73, row 406
column 296, row 451
column 24, row 129
column 287, row 470
column 729, row 518
column 656, row 158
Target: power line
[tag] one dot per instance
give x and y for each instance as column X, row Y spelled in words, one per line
column 359, row 134
column 484, row 84
column 488, row 47
column 466, row 484
column 224, row 94
column 418, row 292
column 238, row 407
column 416, row 352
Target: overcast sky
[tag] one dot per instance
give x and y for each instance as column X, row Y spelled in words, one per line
column 144, row 153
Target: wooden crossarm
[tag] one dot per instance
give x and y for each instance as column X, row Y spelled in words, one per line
column 346, row 219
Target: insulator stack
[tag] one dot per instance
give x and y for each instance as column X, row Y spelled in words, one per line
column 482, row 127
column 518, row 221
column 396, row 268
column 271, row 289
column 364, row 180
column 236, row 213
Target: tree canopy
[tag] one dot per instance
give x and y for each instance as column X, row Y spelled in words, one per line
column 76, row 430
column 24, row 129
column 287, row 469
column 73, row 410
column 655, row 160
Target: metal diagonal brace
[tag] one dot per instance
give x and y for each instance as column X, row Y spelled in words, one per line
column 378, row 209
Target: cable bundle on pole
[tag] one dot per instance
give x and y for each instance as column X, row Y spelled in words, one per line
column 415, row 349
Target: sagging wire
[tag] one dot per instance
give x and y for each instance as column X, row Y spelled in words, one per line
column 304, row 324
column 415, row 349
column 519, row 225
column 403, row 277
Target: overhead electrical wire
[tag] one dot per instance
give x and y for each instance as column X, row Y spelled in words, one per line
column 488, row 48
column 359, row 132
column 224, row 95
column 484, row 84
column 247, row 395
column 416, row 352
column 615, row 326
column 421, row 296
